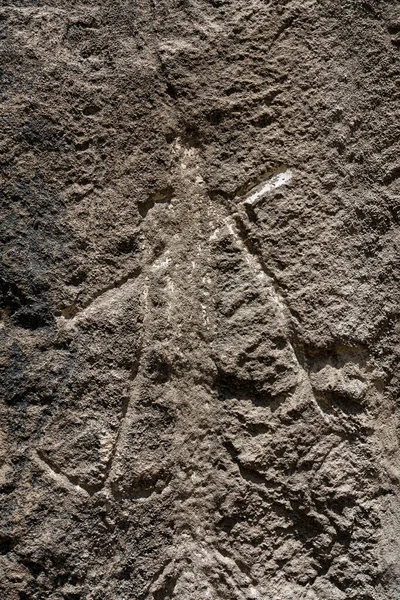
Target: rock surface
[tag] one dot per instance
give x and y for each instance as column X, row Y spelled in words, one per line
column 200, row 300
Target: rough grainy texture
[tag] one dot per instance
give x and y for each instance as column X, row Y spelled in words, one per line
column 200, row 300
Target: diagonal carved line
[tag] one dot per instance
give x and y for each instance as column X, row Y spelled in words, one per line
column 236, row 227
column 125, row 409
column 73, row 312
column 69, row 481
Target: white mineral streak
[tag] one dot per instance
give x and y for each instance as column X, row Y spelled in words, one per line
column 275, row 182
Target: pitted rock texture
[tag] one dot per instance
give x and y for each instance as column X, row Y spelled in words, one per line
column 200, row 300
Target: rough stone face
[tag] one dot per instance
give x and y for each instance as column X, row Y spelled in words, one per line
column 200, row 300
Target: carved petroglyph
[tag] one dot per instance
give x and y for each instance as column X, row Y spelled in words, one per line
column 199, row 297
column 283, row 312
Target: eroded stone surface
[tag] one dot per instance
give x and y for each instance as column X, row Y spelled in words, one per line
column 200, row 335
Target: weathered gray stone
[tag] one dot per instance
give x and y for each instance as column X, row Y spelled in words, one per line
column 200, row 300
